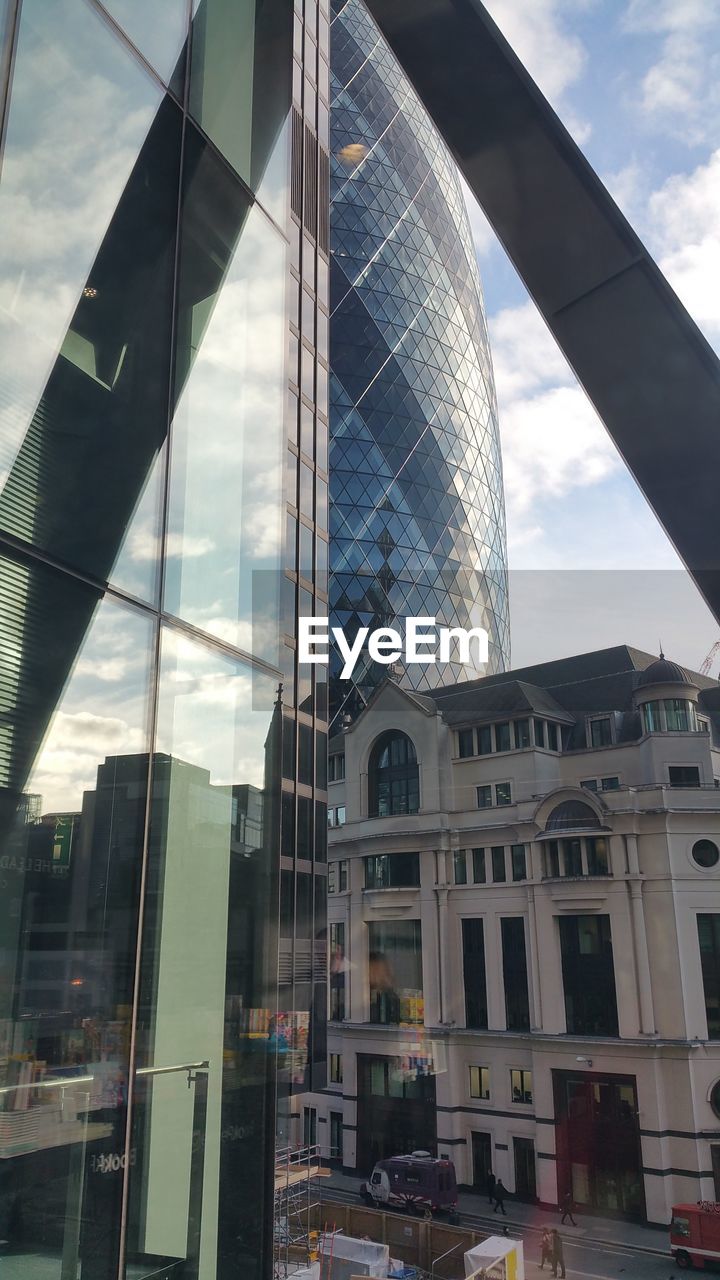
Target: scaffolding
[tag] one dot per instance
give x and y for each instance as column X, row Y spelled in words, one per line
column 297, row 1174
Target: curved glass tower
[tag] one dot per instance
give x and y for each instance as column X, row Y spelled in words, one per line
column 417, row 517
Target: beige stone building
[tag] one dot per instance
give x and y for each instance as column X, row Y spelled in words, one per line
column 524, row 921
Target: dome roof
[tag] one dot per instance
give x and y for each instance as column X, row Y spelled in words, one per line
column 664, row 672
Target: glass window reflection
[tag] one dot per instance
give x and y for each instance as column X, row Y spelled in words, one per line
column 158, row 30
column 86, row 258
column 240, row 89
column 73, row 770
column 207, row 985
column 226, row 465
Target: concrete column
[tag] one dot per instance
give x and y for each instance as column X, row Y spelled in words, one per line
column 431, row 960
column 642, row 960
column 536, row 1022
column 443, row 953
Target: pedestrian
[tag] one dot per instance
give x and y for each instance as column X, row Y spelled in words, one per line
column 558, row 1257
column 545, row 1248
column 490, row 1185
column 567, row 1208
column 499, row 1196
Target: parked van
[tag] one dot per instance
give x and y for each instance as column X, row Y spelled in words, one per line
column 417, row 1182
column 695, row 1234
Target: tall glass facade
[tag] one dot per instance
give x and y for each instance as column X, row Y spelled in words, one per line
column 417, row 523
column 162, row 517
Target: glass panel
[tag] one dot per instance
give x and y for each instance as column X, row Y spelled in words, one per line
column 479, row 874
column 86, row 258
column 72, row 816
column 395, row 965
column 207, row 980
column 240, row 89
column 226, row 472
column 158, row 30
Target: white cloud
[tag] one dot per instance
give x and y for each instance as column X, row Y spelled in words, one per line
column 552, row 440
column 555, row 58
column 684, row 232
column 679, row 92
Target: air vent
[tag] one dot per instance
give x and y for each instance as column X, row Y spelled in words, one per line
column 296, row 164
column 311, row 182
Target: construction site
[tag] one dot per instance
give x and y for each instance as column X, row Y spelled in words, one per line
column 318, row 1237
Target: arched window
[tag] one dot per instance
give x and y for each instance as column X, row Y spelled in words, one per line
column 393, row 776
column 572, row 815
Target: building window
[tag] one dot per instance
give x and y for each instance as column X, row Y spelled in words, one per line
column 522, row 734
column 684, row 775
column 480, row 1082
column 336, row 767
column 597, row 856
column 601, row 732
column 331, row 816
column 588, row 975
column 340, row 816
column 466, row 742
column 474, row 974
column 652, row 722
column 484, row 740
column 590, row 784
column 394, row 777
column 395, row 972
column 484, row 797
column 517, row 1003
column 572, row 858
column 519, row 862
column 715, row 1098
column 478, row 861
column 336, row 1071
column 539, row 732
column 705, row 853
column 677, row 715
column 338, row 967
column 309, row 1126
column 392, row 871
column 521, row 1085
column 709, row 940
column 503, row 794
column 459, row 867
column 610, row 784
column 552, row 859
column 337, row 877
column 703, row 725
column 552, row 735
column 497, row 854
column 336, row 1135
column 502, row 736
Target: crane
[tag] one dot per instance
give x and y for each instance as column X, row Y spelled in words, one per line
column 707, row 664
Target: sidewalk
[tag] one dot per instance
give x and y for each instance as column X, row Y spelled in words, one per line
column 529, row 1217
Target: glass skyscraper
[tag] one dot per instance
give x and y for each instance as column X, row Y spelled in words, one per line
column 163, row 510
column 417, row 515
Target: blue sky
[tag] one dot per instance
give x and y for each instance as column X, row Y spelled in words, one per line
column 637, row 83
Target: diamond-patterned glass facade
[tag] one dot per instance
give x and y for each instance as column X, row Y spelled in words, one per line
column 417, row 517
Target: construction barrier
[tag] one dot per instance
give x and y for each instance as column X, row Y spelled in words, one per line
column 430, row 1246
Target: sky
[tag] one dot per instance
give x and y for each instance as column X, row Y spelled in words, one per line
column 637, row 83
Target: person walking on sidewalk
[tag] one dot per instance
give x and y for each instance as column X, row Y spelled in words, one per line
column 490, row 1185
column 499, row 1196
column 545, row 1248
column 557, row 1256
column 567, row 1209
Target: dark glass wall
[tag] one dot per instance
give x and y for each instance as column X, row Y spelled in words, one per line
column 588, row 975
column 474, row 973
column 146, row 266
column 418, row 525
column 515, row 975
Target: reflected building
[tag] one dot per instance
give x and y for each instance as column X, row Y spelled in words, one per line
column 418, row 521
column 163, row 516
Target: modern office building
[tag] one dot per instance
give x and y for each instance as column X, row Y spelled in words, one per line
column 163, row 482
column 417, row 515
column 525, row 933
